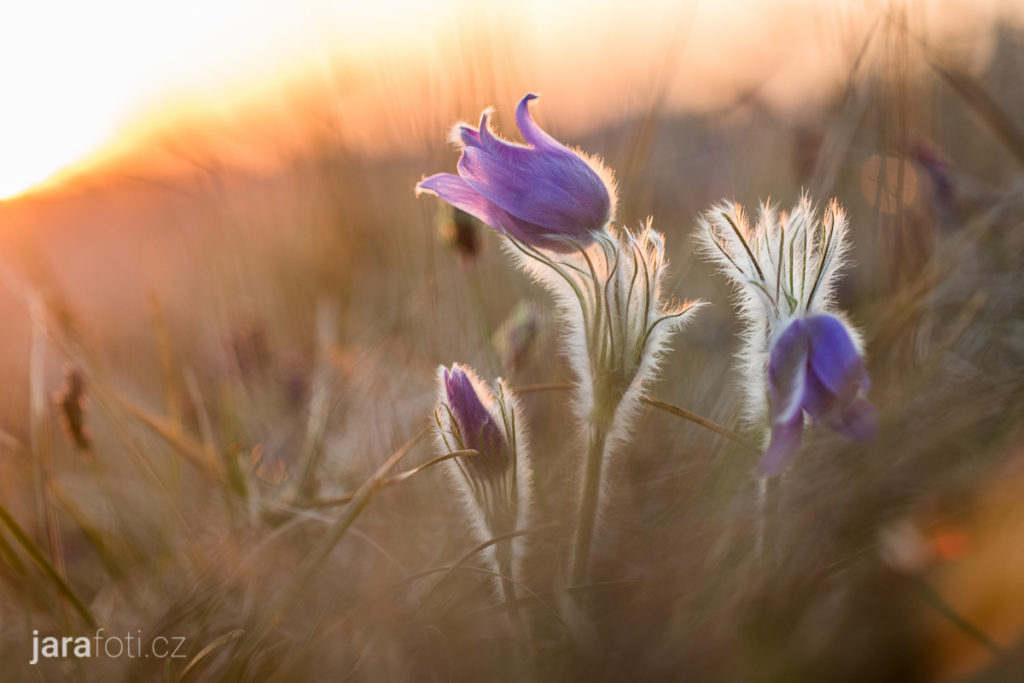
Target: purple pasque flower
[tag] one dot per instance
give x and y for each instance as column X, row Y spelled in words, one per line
column 814, row 367
column 493, row 482
column 543, row 193
column 476, row 427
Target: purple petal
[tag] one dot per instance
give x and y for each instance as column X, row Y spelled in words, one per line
column 459, row 194
column 820, row 403
column 856, row 418
column 834, row 358
column 535, row 188
column 456, row 192
column 547, row 184
column 838, row 378
column 469, row 135
column 475, row 423
column 783, row 446
column 858, row 421
column 533, row 133
column 488, row 140
column 787, row 372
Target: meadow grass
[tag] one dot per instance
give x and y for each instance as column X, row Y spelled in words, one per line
column 249, row 465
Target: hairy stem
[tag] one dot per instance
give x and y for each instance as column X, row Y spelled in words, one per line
column 518, row 623
column 765, row 546
column 588, row 500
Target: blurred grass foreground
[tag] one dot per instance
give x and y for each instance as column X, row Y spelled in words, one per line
column 219, row 356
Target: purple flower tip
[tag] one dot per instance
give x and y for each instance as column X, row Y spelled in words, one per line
column 542, row 193
column 476, row 425
column 815, row 368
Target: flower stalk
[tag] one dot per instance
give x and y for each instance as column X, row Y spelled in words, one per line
column 800, row 356
column 588, row 501
column 618, row 325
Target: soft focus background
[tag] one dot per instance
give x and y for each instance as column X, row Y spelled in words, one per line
column 222, row 307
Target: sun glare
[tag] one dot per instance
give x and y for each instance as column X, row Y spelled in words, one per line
column 82, row 79
column 75, row 74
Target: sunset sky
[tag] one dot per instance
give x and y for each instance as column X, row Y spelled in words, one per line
column 81, row 78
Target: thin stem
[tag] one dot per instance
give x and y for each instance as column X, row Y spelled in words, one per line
column 39, row 438
column 670, row 316
column 517, row 620
column 319, row 401
column 45, row 565
column 939, row 604
column 533, row 388
column 979, row 99
column 588, row 502
column 660, row 405
column 702, row 421
column 394, row 479
column 762, row 507
column 769, row 492
column 608, row 308
column 530, row 252
column 487, row 544
column 300, row 580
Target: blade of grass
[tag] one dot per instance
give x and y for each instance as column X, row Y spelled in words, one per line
column 300, row 580
column 193, row 665
column 702, row 421
column 39, row 435
column 979, row 99
column 487, row 544
column 172, row 392
column 936, row 602
column 319, row 401
column 193, row 451
column 39, row 558
column 660, row 405
column 395, row 479
column 11, row 443
column 107, row 556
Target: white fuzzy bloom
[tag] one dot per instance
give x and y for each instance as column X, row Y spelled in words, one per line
column 618, row 320
column 783, row 267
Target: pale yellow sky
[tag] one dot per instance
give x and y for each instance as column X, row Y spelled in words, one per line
column 76, row 75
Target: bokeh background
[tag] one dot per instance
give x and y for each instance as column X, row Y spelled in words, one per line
column 223, row 307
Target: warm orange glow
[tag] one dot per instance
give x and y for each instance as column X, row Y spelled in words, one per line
column 75, row 73
column 85, row 80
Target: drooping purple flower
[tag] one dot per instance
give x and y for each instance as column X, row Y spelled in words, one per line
column 477, row 428
column 814, row 367
column 543, row 193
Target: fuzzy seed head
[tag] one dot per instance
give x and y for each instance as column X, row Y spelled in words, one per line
column 618, row 320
